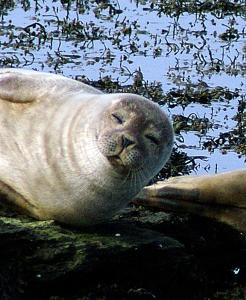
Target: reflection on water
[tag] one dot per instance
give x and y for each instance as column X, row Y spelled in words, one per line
column 171, row 45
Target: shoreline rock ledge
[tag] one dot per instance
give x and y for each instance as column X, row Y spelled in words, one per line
column 141, row 254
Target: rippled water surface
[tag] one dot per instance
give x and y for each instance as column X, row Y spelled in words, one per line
column 197, row 47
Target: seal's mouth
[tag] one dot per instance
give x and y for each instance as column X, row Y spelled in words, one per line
column 123, row 154
column 123, row 165
column 115, row 160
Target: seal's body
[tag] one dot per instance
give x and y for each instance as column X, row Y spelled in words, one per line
column 227, row 189
column 221, row 196
column 73, row 154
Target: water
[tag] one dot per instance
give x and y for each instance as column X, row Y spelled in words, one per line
column 116, row 40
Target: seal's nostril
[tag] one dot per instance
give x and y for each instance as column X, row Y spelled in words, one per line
column 126, row 142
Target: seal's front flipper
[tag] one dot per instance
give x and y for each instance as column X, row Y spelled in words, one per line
column 12, row 88
column 25, row 86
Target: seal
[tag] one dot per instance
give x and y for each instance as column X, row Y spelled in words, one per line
column 221, row 196
column 71, row 153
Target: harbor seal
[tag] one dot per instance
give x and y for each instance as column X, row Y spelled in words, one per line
column 71, row 153
column 220, row 196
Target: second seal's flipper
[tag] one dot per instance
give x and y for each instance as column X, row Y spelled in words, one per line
column 221, row 197
column 23, row 86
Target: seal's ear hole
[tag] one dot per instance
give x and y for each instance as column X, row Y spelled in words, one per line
column 152, row 139
column 117, row 118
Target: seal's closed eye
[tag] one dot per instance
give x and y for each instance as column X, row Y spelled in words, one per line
column 118, row 118
column 153, row 139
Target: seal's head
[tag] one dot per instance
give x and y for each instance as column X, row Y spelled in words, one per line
column 135, row 136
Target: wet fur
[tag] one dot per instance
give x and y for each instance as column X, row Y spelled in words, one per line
column 50, row 163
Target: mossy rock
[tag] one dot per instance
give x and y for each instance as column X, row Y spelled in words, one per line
column 141, row 254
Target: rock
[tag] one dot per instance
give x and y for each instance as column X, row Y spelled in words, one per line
column 140, row 254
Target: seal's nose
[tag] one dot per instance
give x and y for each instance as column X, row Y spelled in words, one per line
column 126, row 142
